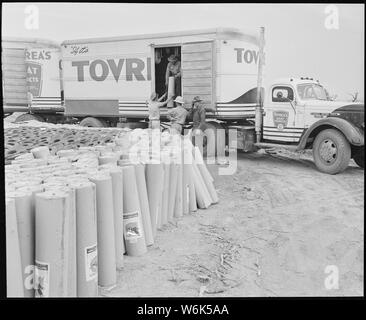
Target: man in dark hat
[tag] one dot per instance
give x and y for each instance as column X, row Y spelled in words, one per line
column 173, row 69
column 198, row 113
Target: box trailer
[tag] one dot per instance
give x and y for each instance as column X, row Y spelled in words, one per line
column 111, row 78
column 31, row 76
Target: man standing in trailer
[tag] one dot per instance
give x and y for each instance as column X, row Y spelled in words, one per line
column 173, row 69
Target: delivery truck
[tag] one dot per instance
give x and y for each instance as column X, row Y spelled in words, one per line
column 31, row 77
column 106, row 82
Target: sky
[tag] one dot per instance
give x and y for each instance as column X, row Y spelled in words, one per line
column 297, row 41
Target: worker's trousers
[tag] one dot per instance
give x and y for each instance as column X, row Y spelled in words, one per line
column 154, row 124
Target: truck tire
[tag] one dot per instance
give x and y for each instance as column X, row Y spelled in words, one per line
column 93, row 122
column 28, row 117
column 359, row 157
column 331, row 151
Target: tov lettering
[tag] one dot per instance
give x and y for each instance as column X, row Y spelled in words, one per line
column 246, row 56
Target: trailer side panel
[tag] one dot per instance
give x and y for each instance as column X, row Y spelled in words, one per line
column 14, row 77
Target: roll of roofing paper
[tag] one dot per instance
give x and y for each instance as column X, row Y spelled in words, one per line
column 202, row 195
column 144, row 203
column 52, row 250
column 171, row 92
column 117, row 184
column 159, row 220
column 201, row 164
column 165, row 195
column 25, row 156
column 41, row 152
column 25, row 217
column 132, row 221
column 206, row 176
column 69, row 153
column 86, row 239
column 178, row 207
column 172, row 190
column 14, row 274
column 71, row 242
column 190, row 198
column 154, row 184
column 109, row 158
column 107, row 275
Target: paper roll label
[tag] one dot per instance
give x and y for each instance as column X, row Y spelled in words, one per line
column 42, row 279
column 91, row 263
column 131, row 226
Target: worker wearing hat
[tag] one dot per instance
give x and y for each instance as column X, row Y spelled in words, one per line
column 177, row 116
column 198, row 113
column 173, row 69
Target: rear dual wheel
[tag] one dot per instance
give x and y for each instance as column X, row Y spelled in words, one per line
column 93, row 122
column 29, row 117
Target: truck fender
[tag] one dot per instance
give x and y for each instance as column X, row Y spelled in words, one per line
column 354, row 135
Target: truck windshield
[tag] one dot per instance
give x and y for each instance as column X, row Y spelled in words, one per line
column 312, row 91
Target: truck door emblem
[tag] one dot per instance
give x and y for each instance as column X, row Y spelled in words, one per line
column 280, row 119
column 34, row 78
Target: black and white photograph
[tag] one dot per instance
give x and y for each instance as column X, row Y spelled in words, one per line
column 183, row 150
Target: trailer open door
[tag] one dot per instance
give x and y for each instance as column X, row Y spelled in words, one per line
column 198, row 72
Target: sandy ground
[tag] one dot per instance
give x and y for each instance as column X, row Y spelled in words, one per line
column 278, row 225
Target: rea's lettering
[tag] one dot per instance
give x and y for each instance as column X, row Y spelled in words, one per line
column 38, row 55
column 100, row 69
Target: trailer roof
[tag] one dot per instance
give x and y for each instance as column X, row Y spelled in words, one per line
column 215, row 32
column 32, row 41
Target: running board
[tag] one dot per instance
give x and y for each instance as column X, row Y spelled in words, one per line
column 47, row 108
column 265, row 145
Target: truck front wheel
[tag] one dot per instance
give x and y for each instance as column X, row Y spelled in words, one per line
column 359, row 157
column 92, row 122
column 331, row 151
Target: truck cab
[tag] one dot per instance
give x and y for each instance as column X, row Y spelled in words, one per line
column 299, row 113
column 292, row 106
